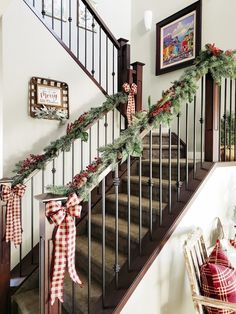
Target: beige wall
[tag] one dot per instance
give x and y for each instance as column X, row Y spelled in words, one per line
column 218, row 27
column 165, row 288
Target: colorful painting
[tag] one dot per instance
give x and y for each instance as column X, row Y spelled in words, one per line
column 178, row 39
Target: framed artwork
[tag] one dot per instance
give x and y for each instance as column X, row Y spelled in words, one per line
column 48, row 99
column 178, row 39
column 59, row 9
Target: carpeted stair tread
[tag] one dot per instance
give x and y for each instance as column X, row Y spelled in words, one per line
column 164, row 146
column 81, row 294
column 134, row 201
column 110, row 224
column 96, row 248
column 165, row 161
column 27, row 302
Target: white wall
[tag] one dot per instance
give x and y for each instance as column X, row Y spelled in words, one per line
column 165, row 288
column 218, row 26
column 3, row 6
column 30, row 50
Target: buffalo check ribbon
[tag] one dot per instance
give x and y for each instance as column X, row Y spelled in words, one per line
column 64, row 243
column 13, row 217
column 132, row 91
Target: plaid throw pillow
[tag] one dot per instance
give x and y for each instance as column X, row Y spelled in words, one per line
column 218, row 256
column 218, row 282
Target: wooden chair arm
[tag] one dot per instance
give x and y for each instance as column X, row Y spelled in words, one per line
column 214, row 302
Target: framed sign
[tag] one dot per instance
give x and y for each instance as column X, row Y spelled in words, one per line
column 178, row 39
column 85, row 19
column 49, row 99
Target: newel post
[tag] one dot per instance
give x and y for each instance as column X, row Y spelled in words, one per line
column 45, row 256
column 211, row 120
column 138, row 80
column 123, row 63
column 5, row 257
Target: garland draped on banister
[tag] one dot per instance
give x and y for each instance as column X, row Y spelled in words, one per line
column 211, row 60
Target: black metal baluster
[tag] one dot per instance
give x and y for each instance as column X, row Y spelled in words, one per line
column 107, row 64
column 230, row 119
column 194, row 138
column 201, row 119
column 105, row 125
column 32, row 219
column 160, row 175
column 170, row 175
column 103, row 241
column 89, row 252
column 225, row 130
column 61, row 19
column 178, row 158
column 93, row 32
column 90, row 145
column 53, row 172
column 140, row 206
column 220, row 137
column 113, row 69
column 63, row 167
column 43, row 9
column 150, row 183
column 186, row 133
column 72, row 159
column 100, row 55
column 117, row 266
column 52, row 14
column 70, row 21
column 43, row 180
column 128, row 212
column 85, row 39
column 33, row 3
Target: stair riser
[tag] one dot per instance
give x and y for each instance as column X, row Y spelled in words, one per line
column 165, row 153
column 134, row 213
column 111, row 238
column 156, row 139
column 134, row 188
column 165, row 171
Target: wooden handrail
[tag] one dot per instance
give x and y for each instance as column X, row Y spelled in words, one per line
column 103, row 25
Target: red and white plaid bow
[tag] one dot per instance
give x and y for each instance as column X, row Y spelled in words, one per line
column 13, row 221
column 64, row 242
column 132, row 90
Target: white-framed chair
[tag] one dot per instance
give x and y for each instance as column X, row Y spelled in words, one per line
column 195, row 255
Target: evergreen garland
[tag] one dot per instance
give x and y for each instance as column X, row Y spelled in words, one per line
column 211, row 60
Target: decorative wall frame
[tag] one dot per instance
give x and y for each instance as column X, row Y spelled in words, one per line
column 85, row 19
column 48, row 99
column 178, row 39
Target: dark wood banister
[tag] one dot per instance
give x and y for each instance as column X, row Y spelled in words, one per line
column 103, row 25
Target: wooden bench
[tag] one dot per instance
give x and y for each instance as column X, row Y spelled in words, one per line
column 195, row 254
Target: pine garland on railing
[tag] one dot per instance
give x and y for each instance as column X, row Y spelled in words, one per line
column 75, row 131
column 211, row 60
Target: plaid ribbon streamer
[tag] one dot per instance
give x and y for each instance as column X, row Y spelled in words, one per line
column 13, row 220
column 64, row 243
column 132, row 90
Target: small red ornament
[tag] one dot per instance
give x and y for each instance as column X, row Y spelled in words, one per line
column 229, row 52
column 214, row 50
column 165, row 107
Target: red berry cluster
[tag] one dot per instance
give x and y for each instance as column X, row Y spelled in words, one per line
column 214, row 50
column 77, row 122
column 80, row 179
column 30, row 161
column 165, row 107
column 233, row 243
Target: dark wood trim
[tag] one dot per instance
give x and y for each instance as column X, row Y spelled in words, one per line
column 211, row 119
column 197, row 6
column 138, row 80
column 69, row 52
column 5, row 258
column 101, row 23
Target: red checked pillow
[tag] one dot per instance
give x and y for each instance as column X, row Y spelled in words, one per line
column 218, row 282
column 218, row 256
